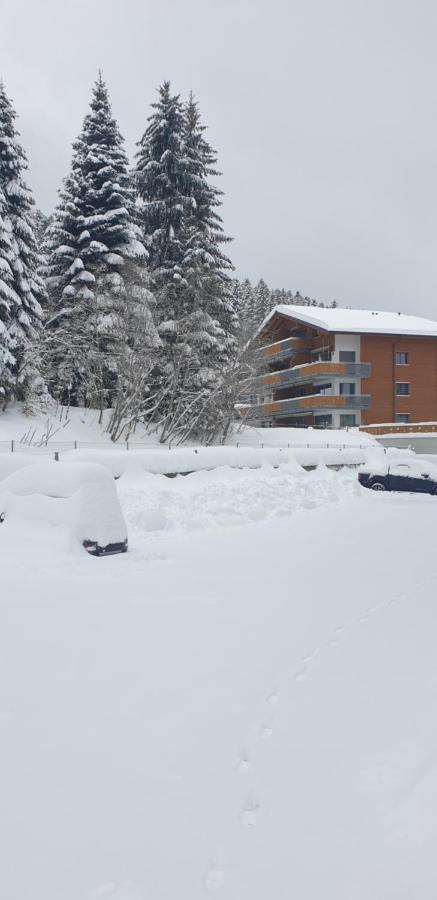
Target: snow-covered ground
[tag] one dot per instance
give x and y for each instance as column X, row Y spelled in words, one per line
column 65, row 426
column 243, row 706
column 76, row 434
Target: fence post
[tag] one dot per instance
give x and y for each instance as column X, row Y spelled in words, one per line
column 75, row 445
column 56, row 456
column 12, row 446
column 127, row 445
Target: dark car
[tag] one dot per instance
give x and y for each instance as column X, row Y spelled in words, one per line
column 411, row 475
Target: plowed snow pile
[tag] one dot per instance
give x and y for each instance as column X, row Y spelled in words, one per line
column 226, row 496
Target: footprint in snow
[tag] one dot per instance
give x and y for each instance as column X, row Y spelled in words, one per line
column 214, row 878
column 249, row 813
column 307, row 660
column 301, row 674
column 243, row 764
column 273, row 698
column 266, row 731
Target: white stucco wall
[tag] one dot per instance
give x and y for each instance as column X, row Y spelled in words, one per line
column 347, row 342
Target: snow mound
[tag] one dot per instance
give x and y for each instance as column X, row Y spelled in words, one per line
column 228, row 497
column 163, row 461
column 12, row 462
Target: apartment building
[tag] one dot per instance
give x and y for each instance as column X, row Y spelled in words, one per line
column 340, row 368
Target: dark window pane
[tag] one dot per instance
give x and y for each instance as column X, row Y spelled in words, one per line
column 347, row 420
column 347, row 355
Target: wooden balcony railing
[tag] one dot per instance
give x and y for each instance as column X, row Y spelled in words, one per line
column 311, row 372
column 309, row 404
column 282, row 349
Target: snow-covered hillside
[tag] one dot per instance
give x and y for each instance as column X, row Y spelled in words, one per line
column 242, row 706
column 64, row 426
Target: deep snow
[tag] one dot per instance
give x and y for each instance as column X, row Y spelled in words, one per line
column 243, row 706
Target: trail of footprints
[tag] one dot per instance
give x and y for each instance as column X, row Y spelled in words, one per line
column 244, row 767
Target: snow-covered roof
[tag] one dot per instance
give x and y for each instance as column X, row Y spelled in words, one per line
column 358, row 321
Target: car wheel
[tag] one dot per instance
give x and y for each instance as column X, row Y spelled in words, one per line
column 435, row 492
column 378, row 486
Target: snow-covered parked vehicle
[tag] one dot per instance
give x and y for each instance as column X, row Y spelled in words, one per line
column 401, row 474
column 80, row 497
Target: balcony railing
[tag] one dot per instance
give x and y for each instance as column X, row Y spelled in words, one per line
column 282, row 349
column 306, row 405
column 308, row 373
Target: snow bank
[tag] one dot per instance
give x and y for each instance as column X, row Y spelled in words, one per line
column 248, row 435
column 185, row 459
column 181, row 459
column 350, row 456
column 12, row 462
column 226, row 497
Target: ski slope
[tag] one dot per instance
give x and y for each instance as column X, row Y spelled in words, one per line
column 241, row 707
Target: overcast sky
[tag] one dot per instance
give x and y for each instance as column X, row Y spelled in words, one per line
column 323, row 113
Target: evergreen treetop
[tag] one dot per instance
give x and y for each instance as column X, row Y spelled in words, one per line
column 21, row 289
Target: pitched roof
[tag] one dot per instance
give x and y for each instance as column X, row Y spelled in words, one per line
column 357, row 321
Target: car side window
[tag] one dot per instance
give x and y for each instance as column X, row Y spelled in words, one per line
column 400, row 469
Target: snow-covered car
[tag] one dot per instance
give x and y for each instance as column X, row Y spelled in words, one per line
column 408, row 474
column 81, row 497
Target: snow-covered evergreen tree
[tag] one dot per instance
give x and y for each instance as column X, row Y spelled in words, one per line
column 189, row 270
column 178, row 207
column 21, row 289
column 159, row 174
column 7, row 299
column 42, row 223
column 209, row 320
column 262, row 301
column 96, row 262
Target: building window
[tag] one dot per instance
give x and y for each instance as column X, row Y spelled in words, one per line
column 402, row 417
column 347, row 355
column 402, row 389
column 347, row 387
column 401, row 358
column 347, row 420
column 323, row 421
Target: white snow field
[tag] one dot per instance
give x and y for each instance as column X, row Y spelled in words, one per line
column 241, row 707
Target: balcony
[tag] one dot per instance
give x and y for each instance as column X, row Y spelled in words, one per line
column 282, row 349
column 308, row 373
column 313, row 403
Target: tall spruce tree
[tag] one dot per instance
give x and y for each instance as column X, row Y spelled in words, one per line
column 8, row 298
column 182, row 228
column 161, row 204
column 159, row 174
column 96, row 262
column 210, row 316
column 21, row 289
column 262, row 301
